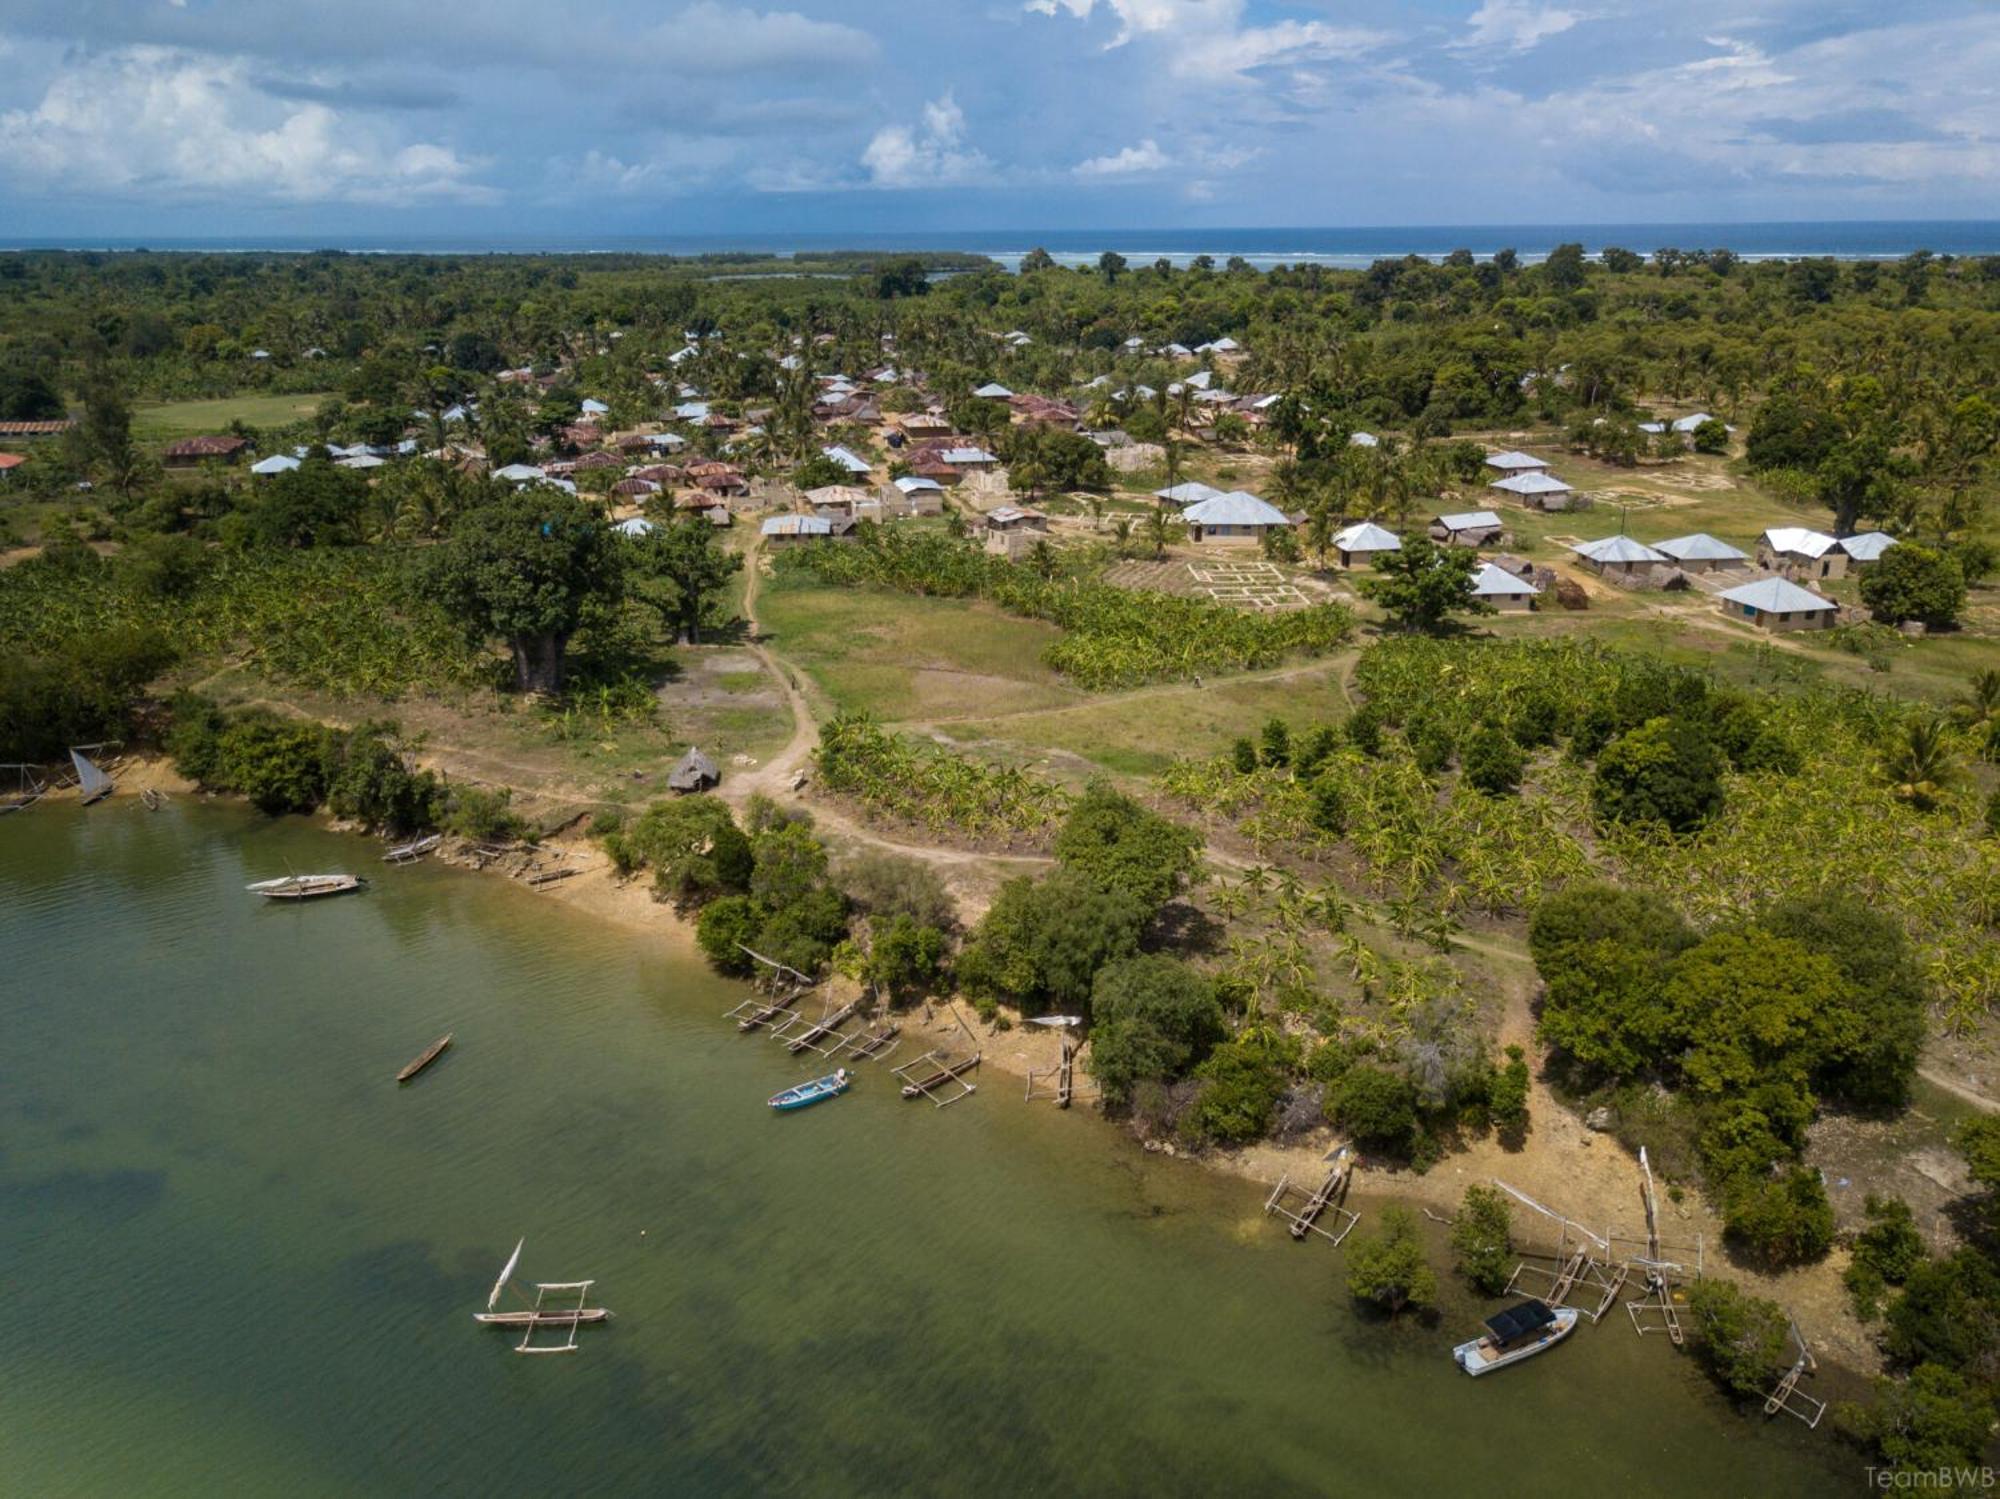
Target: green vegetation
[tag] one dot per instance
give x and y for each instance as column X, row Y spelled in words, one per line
column 951, row 795
column 1386, row 1267
column 1112, row 637
column 1482, row 1245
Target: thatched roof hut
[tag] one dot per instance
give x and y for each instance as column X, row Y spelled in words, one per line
column 696, row 772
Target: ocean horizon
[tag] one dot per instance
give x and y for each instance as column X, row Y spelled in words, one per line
column 1346, row 248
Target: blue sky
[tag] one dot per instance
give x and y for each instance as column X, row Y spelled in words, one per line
column 220, row 117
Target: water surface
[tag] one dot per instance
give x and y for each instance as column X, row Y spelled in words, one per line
column 236, row 1259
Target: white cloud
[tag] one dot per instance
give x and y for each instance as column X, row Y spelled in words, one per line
column 1133, row 161
column 1515, row 25
column 717, row 38
column 158, row 123
column 1208, row 38
column 931, row 154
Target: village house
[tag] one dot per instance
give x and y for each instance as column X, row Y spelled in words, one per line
column 1187, row 492
column 1503, row 590
column 1866, row 547
column 835, row 501
column 277, row 463
column 9, row 462
column 1012, row 530
column 191, row 451
column 1800, row 552
column 968, row 460
column 1777, row 604
column 993, row 390
column 1235, row 516
column 782, row 531
column 1359, row 545
column 1513, row 462
column 848, row 459
column 29, row 431
column 1472, row 528
column 923, row 424
column 1622, row 559
column 1537, row 489
column 1702, row 553
column 913, row 494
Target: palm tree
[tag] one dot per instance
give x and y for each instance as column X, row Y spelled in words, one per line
column 1978, row 711
column 1919, row 763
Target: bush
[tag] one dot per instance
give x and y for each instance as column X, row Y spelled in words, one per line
column 280, row 764
column 1783, row 1221
column 1152, row 1018
column 694, row 847
column 1886, row 1253
column 1493, row 763
column 725, row 928
column 905, row 956
column 1481, row 1242
column 1507, row 1106
column 1387, row 1268
column 1042, row 943
column 1743, row 1340
column 1912, row 582
column 485, row 815
column 890, row 885
column 1242, row 1082
column 1377, row 1107
column 1936, row 1421
column 1117, row 846
column 374, row 783
column 1665, row 772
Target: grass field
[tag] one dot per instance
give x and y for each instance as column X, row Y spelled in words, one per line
column 903, row 657
column 166, row 421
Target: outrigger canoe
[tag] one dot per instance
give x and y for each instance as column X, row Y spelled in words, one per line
column 306, row 886
column 805, row 1095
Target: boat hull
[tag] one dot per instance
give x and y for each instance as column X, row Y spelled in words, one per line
column 585, row 1317
column 807, row 1094
column 1477, row 1357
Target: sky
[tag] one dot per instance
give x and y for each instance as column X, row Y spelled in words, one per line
column 522, row 117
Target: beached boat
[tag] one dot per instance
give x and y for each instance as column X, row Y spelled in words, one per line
column 540, row 1313
column 409, row 853
column 430, row 1054
column 807, row 1094
column 1521, row 1331
column 92, row 783
column 306, row 886
column 28, row 788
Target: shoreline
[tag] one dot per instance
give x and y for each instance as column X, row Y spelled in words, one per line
column 1562, row 1163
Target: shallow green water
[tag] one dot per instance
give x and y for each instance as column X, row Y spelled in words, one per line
column 236, row 1259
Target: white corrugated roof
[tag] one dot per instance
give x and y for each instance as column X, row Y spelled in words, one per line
column 916, row 484
column 1236, row 508
column 1802, row 540
column 1868, row 546
column 798, row 525
column 1187, row 492
column 1470, row 520
column 518, row 473
column 848, row 459
column 1366, row 536
column 1513, row 460
column 993, row 390
column 1701, row 547
column 1618, row 549
column 967, row 455
column 277, row 463
column 1495, row 582
column 1531, row 481
column 1776, row 596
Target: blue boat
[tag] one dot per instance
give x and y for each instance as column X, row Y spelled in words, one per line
column 805, row 1095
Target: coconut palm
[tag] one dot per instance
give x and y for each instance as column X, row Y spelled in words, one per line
column 1919, row 763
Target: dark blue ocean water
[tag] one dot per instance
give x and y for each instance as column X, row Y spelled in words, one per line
column 1856, row 240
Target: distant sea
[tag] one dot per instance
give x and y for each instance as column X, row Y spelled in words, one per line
column 1869, row 240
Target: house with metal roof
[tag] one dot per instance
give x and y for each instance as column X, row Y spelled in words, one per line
column 1866, row 546
column 1363, row 440
column 1237, row 515
column 636, row 527
column 1619, row 557
column 1187, row 492
column 277, row 463
column 1471, row 528
column 1360, row 544
column 1778, row 604
column 1800, row 551
column 1536, row 488
column 1502, row 589
column 789, row 530
column 973, row 458
column 520, row 473
column 993, row 390
column 1515, row 462
column 847, row 458
column 1699, row 552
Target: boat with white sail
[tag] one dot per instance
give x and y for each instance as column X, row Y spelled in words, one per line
column 538, row 1313
column 92, row 784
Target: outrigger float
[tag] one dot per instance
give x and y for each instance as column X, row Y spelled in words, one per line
column 1520, row 1332
column 539, row 1313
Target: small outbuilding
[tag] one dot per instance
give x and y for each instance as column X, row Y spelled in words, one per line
column 696, row 772
column 1778, row 604
column 1472, row 528
column 789, row 530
